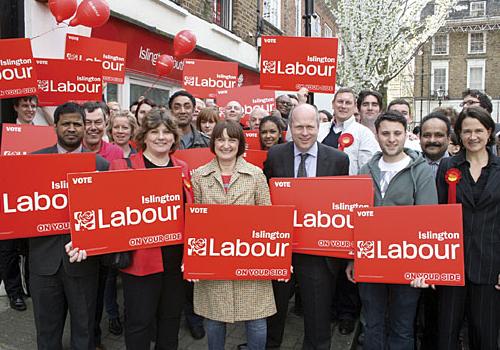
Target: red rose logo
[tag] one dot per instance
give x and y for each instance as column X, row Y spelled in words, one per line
column 269, row 67
column 85, row 220
column 189, row 81
column 197, row 246
column 366, row 249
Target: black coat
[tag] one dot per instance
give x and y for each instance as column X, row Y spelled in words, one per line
column 481, row 220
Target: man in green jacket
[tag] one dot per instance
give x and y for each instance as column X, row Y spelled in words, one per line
column 400, row 177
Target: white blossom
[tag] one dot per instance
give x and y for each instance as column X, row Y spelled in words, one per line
column 380, row 37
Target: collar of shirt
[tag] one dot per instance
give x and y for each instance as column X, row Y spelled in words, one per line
column 62, row 150
column 339, row 127
column 188, row 139
column 430, row 161
column 313, row 151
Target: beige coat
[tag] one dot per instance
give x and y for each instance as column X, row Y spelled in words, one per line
column 231, row 301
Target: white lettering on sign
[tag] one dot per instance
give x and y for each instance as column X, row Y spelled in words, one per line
column 320, row 219
column 210, row 247
column 82, row 180
column 283, row 184
column 16, row 73
column 270, row 40
column 297, row 68
column 68, row 86
column 365, row 213
column 211, row 83
column 198, row 210
column 34, row 202
column 13, row 128
column 405, row 250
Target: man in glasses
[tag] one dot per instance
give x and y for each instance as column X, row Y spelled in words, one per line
column 284, row 105
column 476, row 98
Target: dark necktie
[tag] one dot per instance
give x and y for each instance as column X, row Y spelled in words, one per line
column 302, row 166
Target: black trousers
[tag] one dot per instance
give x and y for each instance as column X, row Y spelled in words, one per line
column 276, row 323
column 347, row 304
column 481, row 305
column 52, row 297
column 157, row 298
column 10, row 273
column 101, row 286
column 317, row 277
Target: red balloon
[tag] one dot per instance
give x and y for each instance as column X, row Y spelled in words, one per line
column 184, row 43
column 164, row 65
column 62, row 9
column 91, row 13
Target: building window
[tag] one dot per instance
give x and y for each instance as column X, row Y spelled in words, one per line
column 477, row 43
column 440, row 43
column 328, row 32
column 298, row 17
column 316, row 25
column 476, row 70
column 272, row 12
column 477, row 8
column 439, row 76
column 223, row 13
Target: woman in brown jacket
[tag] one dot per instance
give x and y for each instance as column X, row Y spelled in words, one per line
column 229, row 179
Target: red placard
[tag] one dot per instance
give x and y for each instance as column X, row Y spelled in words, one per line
column 17, row 68
column 394, row 244
column 111, row 54
column 60, row 81
column 254, row 243
column 255, row 157
column 289, row 63
column 194, row 157
column 250, row 97
column 252, row 138
column 324, row 211
column 20, row 139
column 34, row 193
column 203, row 78
column 126, row 217
column 144, row 47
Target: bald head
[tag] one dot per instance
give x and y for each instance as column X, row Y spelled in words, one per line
column 302, row 109
column 304, row 126
column 255, row 118
column 233, row 111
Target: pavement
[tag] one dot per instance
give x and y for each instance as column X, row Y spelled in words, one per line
column 17, row 332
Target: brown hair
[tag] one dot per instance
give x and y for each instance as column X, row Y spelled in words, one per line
column 482, row 115
column 153, row 119
column 207, row 114
column 234, row 130
column 131, row 122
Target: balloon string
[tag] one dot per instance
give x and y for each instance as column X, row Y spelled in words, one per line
column 48, row 31
column 145, row 94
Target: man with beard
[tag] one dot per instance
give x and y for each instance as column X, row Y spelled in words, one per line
column 56, row 284
column 182, row 105
column 434, row 139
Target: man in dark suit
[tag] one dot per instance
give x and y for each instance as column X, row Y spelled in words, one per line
column 316, row 275
column 57, row 285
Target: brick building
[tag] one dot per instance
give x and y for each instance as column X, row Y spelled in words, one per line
column 226, row 30
column 463, row 54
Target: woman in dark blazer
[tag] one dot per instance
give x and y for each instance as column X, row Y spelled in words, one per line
column 478, row 190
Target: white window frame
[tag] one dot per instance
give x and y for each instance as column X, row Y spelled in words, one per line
column 470, row 42
column 146, row 82
column 272, row 14
column 447, row 44
column 298, row 17
column 316, row 26
column 226, row 14
column 440, row 65
column 479, row 4
column 327, row 31
column 476, row 63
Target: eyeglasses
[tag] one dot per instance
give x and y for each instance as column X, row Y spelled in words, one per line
column 469, row 103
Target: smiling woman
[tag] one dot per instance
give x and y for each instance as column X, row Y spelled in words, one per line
column 229, row 179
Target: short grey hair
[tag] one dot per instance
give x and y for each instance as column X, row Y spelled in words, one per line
column 316, row 113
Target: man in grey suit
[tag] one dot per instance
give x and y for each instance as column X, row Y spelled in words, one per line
column 57, row 285
column 316, row 275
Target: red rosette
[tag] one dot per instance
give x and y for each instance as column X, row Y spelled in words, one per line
column 345, row 140
column 452, row 177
